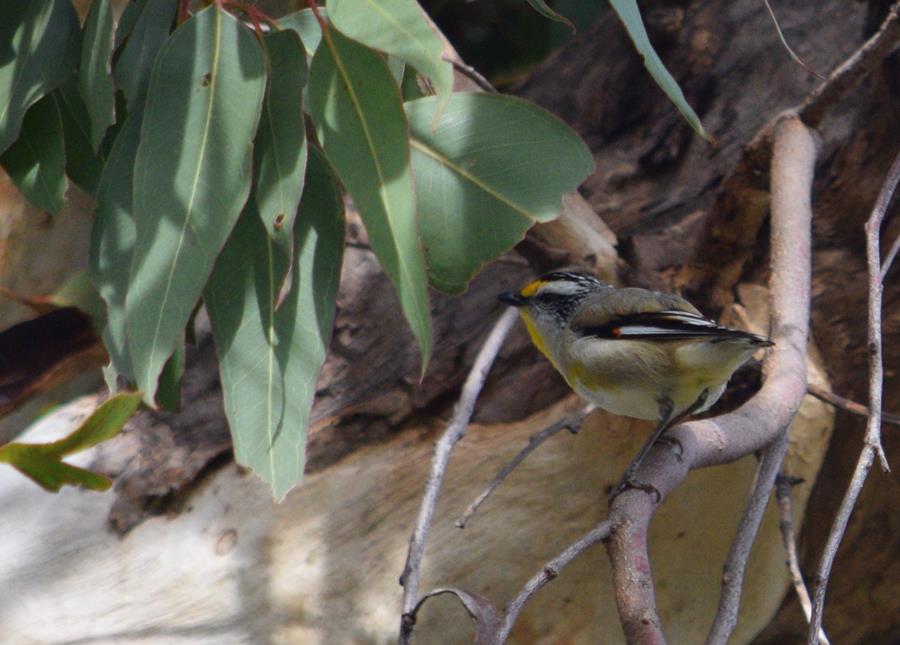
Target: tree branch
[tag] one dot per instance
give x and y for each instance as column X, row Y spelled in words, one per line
column 872, row 445
column 572, row 424
column 783, row 486
column 547, row 573
column 854, row 69
column 847, row 405
column 759, row 422
column 409, row 579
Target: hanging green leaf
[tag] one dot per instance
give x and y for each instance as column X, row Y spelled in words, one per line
column 630, row 16
column 83, row 165
column 544, row 9
column 36, row 161
column 269, row 359
column 95, row 74
column 356, row 107
column 128, row 20
column 42, row 462
column 279, row 156
column 399, row 28
column 306, row 26
column 492, row 167
column 112, row 240
column 41, row 49
column 135, row 62
column 191, row 177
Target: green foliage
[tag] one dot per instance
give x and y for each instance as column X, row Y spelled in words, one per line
column 492, row 167
column 270, row 352
column 36, row 161
column 192, row 135
column 630, row 16
column 94, row 79
column 356, row 106
column 542, row 8
column 191, row 177
column 43, row 462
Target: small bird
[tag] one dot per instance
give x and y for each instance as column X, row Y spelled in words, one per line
column 632, row 352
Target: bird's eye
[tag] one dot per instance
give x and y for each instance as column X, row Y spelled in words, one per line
column 545, row 298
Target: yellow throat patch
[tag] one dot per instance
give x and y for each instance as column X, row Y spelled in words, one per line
column 536, row 337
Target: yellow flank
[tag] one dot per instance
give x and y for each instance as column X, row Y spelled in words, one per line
column 591, row 379
column 533, row 332
column 530, row 289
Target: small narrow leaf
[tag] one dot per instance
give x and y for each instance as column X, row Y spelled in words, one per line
column 43, row 462
column 492, row 167
column 356, row 107
column 36, row 161
column 269, row 359
column 630, row 15
column 191, row 177
column 279, row 156
column 40, row 52
column 543, row 8
column 95, row 74
column 135, row 62
column 402, row 29
column 112, row 241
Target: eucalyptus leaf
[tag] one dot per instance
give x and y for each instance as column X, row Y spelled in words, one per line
column 356, row 107
column 544, row 9
column 630, row 15
column 306, row 26
column 492, row 167
column 83, row 165
column 137, row 56
column 191, row 177
column 112, row 241
column 36, row 161
column 269, row 358
column 399, row 28
column 279, row 156
column 95, row 73
column 43, row 463
column 40, row 49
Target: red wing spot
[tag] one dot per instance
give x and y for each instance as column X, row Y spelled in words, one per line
column 616, row 331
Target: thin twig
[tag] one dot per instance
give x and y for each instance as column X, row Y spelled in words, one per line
column 890, row 185
column 847, row 405
column 872, row 446
column 853, row 69
column 547, row 573
column 739, row 552
column 784, row 42
column 889, row 260
column 783, row 486
column 572, row 424
column 454, row 432
column 793, row 166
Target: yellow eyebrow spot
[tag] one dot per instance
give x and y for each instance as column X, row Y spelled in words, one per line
column 531, row 288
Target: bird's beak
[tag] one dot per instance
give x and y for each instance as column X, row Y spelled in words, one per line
column 511, row 298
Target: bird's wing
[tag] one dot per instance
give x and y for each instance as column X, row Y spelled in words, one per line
column 635, row 314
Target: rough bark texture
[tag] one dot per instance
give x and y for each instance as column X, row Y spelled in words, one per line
column 687, row 217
